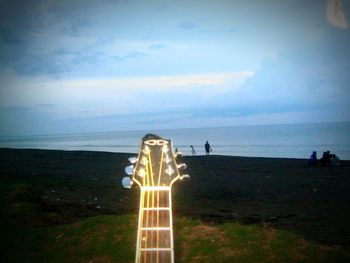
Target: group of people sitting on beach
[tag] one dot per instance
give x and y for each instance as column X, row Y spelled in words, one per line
column 328, row 159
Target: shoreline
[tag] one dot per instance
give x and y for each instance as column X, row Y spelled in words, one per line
column 284, row 193
column 135, row 154
column 271, row 141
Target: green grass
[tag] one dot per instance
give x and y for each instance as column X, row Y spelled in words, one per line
column 106, row 238
column 112, row 239
column 109, row 238
column 233, row 242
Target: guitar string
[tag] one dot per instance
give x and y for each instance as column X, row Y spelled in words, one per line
column 170, row 220
column 141, row 219
column 160, row 171
column 147, row 180
column 171, row 231
column 147, row 205
column 152, row 212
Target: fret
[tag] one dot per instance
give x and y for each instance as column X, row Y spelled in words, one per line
column 155, row 228
column 157, row 249
column 154, row 199
column 155, row 188
column 156, row 208
column 156, row 256
column 155, row 218
column 155, row 238
column 155, row 233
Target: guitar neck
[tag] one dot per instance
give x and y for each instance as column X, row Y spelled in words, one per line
column 155, row 230
column 155, row 172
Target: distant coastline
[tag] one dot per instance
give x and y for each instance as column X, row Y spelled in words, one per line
column 276, row 141
column 135, row 153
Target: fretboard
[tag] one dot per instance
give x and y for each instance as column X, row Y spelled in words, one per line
column 155, row 231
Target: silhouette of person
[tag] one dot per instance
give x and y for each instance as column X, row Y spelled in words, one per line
column 207, row 148
column 326, row 158
column 334, row 160
column 313, row 158
column 193, row 151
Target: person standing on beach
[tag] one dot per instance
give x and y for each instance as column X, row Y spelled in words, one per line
column 313, row 158
column 193, row 151
column 207, row 148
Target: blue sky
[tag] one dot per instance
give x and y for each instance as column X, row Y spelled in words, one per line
column 84, row 66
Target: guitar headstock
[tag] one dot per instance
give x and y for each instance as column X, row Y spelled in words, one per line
column 155, row 165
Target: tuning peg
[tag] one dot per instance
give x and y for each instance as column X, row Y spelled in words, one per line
column 184, row 176
column 141, row 172
column 167, row 159
column 169, row 171
column 146, row 150
column 165, row 148
column 132, row 160
column 129, row 170
column 127, row 182
column 181, row 166
column 144, row 161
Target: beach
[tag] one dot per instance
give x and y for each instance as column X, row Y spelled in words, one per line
column 66, row 186
column 274, row 141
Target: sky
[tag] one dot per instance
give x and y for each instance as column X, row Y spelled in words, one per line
column 91, row 66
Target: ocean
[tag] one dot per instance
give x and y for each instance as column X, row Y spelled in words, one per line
column 287, row 140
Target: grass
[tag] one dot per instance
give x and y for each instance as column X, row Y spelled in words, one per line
column 233, row 242
column 96, row 239
column 112, row 239
column 25, row 237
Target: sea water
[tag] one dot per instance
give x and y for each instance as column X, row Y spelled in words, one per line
column 288, row 140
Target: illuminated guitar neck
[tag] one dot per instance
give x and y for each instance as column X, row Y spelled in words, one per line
column 155, row 172
column 155, row 231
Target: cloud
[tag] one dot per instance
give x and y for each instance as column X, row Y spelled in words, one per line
column 298, row 80
column 75, row 38
column 23, row 120
column 32, row 32
column 188, row 25
column 131, row 55
column 157, row 46
column 94, row 97
column 196, row 59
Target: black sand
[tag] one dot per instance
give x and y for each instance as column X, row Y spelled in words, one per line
column 284, row 193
